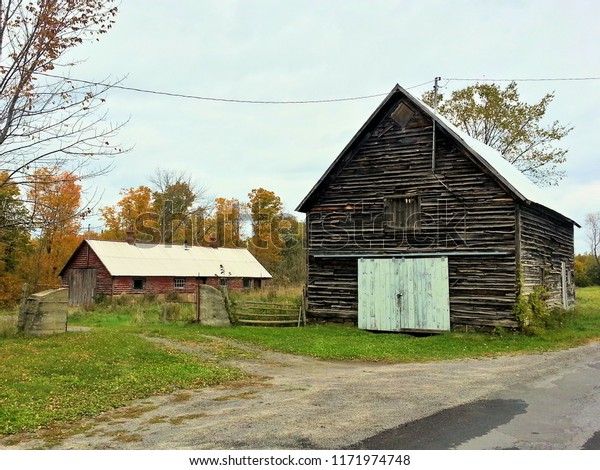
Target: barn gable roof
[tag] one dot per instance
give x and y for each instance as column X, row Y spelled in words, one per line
column 515, row 182
column 143, row 259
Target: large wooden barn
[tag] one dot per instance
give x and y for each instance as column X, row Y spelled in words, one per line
column 114, row 268
column 417, row 226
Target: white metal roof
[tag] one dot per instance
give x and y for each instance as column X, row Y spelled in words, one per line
column 141, row 259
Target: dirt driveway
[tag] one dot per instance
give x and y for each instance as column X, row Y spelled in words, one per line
column 295, row 402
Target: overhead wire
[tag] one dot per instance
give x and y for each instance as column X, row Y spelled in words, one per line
column 296, row 102
column 223, row 100
column 547, row 79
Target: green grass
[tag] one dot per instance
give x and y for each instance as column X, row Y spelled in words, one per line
column 348, row 343
column 52, row 380
column 49, row 380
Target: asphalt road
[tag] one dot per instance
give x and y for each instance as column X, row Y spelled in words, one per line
column 558, row 411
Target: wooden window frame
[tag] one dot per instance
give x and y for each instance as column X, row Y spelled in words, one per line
column 141, row 280
column 179, row 283
column 402, row 212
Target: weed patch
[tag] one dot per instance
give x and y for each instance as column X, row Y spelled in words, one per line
column 180, row 419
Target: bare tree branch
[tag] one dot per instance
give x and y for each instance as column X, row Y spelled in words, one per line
column 47, row 121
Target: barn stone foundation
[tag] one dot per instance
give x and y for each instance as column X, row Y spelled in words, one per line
column 44, row 313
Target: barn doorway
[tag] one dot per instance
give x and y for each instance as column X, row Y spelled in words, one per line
column 403, row 294
column 82, row 286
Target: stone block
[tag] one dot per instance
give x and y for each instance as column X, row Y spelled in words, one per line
column 213, row 311
column 44, row 313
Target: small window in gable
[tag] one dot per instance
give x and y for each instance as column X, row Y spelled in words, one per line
column 402, row 115
column 403, row 212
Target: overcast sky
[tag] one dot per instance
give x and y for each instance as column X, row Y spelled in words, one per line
column 291, row 50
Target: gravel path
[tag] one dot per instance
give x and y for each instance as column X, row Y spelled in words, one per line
column 294, row 402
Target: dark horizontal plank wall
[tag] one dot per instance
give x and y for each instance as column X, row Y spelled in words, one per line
column 463, row 210
column 546, row 242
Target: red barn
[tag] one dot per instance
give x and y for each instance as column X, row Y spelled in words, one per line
column 114, row 268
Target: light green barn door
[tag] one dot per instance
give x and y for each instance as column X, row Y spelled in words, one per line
column 405, row 294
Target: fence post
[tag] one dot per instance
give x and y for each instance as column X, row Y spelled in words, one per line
column 198, row 301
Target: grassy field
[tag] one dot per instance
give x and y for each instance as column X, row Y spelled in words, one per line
column 55, row 379
column 348, row 343
column 52, row 380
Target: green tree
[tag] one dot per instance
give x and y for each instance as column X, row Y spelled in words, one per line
column 14, row 242
column 179, row 205
column 292, row 267
column 497, row 117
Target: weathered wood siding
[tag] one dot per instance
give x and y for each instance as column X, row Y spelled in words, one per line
column 546, row 241
column 463, row 211
column 85, row 257
column 82, row 286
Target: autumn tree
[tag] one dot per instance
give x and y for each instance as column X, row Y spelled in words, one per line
column 176, row 201
column 266, row 212
column 55, row 198
column 227, row 225
column 497, row 117
column 134, row 212
column 47, row 120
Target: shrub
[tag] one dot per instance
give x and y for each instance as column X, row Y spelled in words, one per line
column 149, row 297
column 172, row 297
column 534, row 315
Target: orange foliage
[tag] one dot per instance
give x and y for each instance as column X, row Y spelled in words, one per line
column 55, row 197
column 133, row 212
column 266, row 211
column 228, row 222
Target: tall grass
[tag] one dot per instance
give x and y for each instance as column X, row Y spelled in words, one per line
column 8, row 327
column 274, row 294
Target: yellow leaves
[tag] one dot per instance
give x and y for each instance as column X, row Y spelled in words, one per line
column 129, row 213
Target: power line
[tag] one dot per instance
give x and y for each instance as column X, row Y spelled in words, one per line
column 315, row 101
column 222, row 100
column 552, row 79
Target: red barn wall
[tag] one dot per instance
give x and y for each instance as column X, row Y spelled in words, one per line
column 85, row 257
column 108, row 285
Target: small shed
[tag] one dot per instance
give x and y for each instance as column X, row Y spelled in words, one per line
column 113, row 268
column 416, row 226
